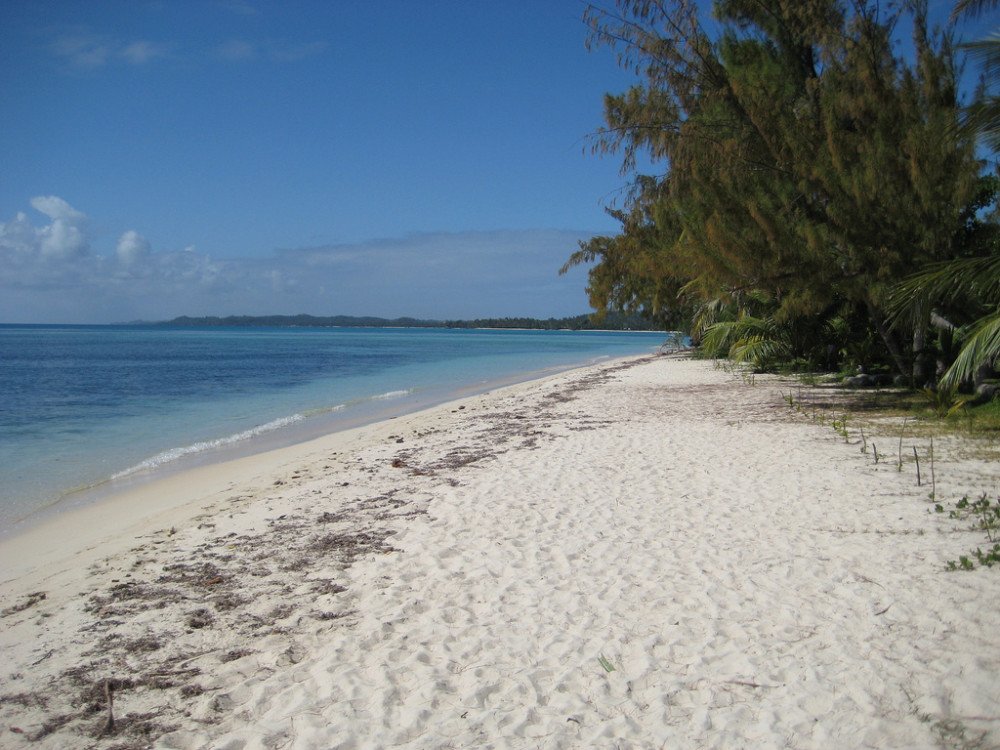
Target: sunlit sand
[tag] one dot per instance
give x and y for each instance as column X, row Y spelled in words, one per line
column 646, row 553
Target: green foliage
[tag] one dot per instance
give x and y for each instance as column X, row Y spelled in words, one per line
column 985, row 516
column 758, row 342
column 980, row 346
column 806, row 163
column 945, row 400
column 982, row 117
column 963, row 288
column 985, row 513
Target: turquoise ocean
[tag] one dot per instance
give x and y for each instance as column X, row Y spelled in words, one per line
column 88, row 410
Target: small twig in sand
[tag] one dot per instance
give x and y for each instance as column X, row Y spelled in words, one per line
column 110, row 697
column 45, row 656
column 899, row 453
column 933, row 483
column 747, row 684
column 916, row 458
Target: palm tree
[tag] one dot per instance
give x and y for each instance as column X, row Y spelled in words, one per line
column 976, row 277
column 982, row 118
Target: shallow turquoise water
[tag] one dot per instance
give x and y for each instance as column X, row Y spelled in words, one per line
column 80, row 405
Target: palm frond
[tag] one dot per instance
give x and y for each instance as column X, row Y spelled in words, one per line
column 986, row 52
column 718, row 338
column 981, row 120
column 972, row 8
column 748, row 340
column 980, row 347
column 946, row 281
column 758, row 351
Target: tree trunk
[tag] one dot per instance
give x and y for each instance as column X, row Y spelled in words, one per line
column 890, row 341
column 922, row 320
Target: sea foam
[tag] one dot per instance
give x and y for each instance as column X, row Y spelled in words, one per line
column 174, row 454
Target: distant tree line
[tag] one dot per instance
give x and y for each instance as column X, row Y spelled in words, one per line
column 610, row 322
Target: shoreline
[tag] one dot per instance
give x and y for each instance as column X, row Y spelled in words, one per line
column 648, row 552
column 137, row 501
column 296, row 430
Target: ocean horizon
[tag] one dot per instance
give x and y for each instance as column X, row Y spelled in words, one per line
column 88, row 410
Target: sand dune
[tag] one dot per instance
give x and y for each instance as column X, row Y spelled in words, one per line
column 646, row 553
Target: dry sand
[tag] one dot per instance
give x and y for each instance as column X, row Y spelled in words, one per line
column 646, row 553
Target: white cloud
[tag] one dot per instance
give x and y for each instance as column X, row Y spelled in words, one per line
column 85, row 50
column 58, row 266
column 57, row 208
column 132, row 248
column 82, row 48
column 65, row 237
column 62, row 241
column 141, row 52
column 18, row 236
column 241, row 50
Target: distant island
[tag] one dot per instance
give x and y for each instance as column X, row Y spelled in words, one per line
column 611, row 322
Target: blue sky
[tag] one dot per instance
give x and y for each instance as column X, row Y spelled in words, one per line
column 381, row 157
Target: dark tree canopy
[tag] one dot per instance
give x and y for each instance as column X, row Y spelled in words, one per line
column 808, row 167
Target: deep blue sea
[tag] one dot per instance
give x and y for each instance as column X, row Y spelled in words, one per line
column 85, row 409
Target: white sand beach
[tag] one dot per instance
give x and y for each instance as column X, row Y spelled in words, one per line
column 647, row 553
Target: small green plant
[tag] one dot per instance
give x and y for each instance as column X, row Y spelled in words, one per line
column 964, row 563
column 945, row 400
column 986, row 517
column 608, row 666
column 985, row 513
column 989, row 516
column 989, row 557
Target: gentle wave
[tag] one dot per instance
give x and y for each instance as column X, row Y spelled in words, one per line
column 176, row 453
column 391, row 394
column 359, row 401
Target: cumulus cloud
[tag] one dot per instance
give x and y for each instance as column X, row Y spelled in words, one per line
column 18, row 237
column 56, row 265
column 66, row 236
column 56, row 208
column 132, row 248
